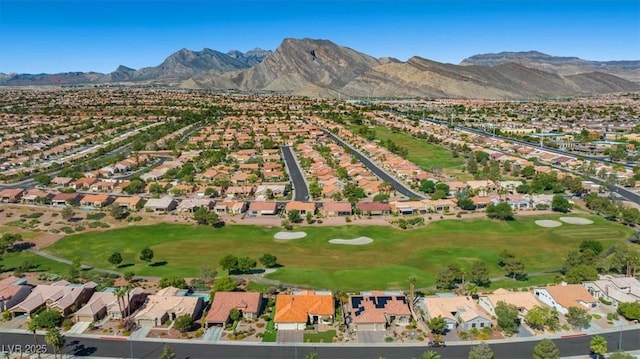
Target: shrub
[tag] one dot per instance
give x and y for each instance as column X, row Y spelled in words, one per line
column 199, row 333
column 96, row 216
column 604, row 301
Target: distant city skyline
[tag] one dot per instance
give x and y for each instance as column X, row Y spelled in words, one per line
column 50, row 36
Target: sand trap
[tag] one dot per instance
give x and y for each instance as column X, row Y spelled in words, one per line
column 289, row 235
column 576, row 220
column 548, row 223
column 352, row 242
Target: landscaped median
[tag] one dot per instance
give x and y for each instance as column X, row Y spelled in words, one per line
column 387, row 262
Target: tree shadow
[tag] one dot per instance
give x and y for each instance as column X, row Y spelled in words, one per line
column 158, row 264
column 125, row 265
column 82, row 351
column 22, row 246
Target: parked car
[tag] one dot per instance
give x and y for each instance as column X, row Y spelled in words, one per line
column 435, row 344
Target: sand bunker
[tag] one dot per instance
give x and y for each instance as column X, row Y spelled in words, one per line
column 548, row 223
column 352, row 242
column 289, row 235
column 576, row 220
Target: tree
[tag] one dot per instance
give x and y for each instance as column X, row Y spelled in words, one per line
column 427, row 186
column 507, row 315
column 229, row 262
column 540, row 317
column 430, row 354
column 54, row 338
column 578, row 317
column 449, row 277
column 581, row 273
column 224, row 284
column 208, row 274
column 294, row 216
column 309, row 217
column 42, row 179
column 598, row 345
column 479, row 274
column 501, row 211
column 246, row 264
column 128, row 276
column 269, row 260
column 437, row 325
column 115, row 259
column 46, row 319
column 234, row 314
column 515, row 268
column 118, row 212
column 74, row 269
column 167, row 353
column 146, row 254
column 481, row 351
column 176, row 282
column 560, row 204
column 631, row 310
column 546, row 349
column 67, row 213
column 311, row 355
column 593, row 245
column 183, row 323
column 505, row 257
column 205, row 217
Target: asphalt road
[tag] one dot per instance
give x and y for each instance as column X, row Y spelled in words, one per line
column 397, row 185
column 300, row 189
column 96, row 347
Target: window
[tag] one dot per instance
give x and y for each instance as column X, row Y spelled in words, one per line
column 473, row 325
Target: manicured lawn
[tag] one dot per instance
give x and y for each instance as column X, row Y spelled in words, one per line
column 421, row 152
column 540, row 280
column 320, row 337
column 270, row 333
column 14, row 259
column 181, row 250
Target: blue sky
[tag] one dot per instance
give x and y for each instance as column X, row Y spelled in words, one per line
column 98, row 35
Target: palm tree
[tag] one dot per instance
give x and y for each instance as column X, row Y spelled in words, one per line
column 312, row 355
column 120, row 292
column 412, row 288
column 32, row 328
column 598, row 345
column 55, row 339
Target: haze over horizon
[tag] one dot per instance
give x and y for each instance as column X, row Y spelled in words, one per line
column 73, row 35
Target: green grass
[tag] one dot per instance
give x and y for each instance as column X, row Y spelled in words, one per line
column 533, row 281
column 270, row 333
column 421, row 152
column 14, row 259
column 385, row 264
column 320, row 337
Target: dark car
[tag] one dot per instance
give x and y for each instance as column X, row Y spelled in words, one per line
column 434, row 344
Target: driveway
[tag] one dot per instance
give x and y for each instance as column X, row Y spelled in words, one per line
column 290, row 336
column 371, row 336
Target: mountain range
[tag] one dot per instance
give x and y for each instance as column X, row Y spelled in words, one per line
column 321, row 68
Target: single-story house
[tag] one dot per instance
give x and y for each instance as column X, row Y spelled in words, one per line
column 11, row 195
column 36, row 196
column 374, row 208
column 614, row 289
column 457, row 311
column 192, row 204
column 524, row 301
column 164, row 204
column 262, row 208
column 249, row 304
column 131, row 203
column 61, row 296
column 563, row 296
column 168, row 303
column 13, row 290
column 95, row 200
column 230, row 207
column 63, row 199
column 377, row 310
column 336, row 209
column 105, row 303
column 302, row 207
column 295, row 311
